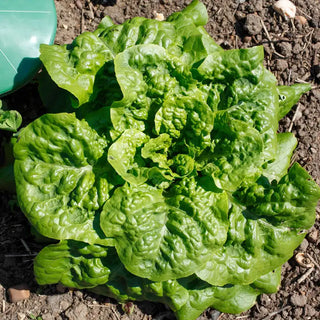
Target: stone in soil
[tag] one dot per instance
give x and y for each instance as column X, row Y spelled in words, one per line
column 284, row 48
column 313, row 235
column 304, row 245
column 78, row 312
column 298, row 300
column 253, row 24
column 59, row 302
column 18, row 293
column 309, row 311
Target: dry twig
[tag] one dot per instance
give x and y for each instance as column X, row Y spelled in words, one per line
column 82, row 21
column 23, row 255
column 305, row 275
column 275, row 313
column 26, row 246
column 305, row 14
column 315, row 262
column 269, row 39
column 115, row 313
column 294, row 117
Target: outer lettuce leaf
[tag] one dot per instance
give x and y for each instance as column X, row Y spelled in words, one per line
column 289, row 96
column 165, row 237
column 267, row 222
column 233, row 64
column 57, row 166
column 195, row 11
column 75, row 264
column 74, row 67
column 99, row 269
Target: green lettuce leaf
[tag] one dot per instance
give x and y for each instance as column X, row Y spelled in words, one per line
column 267, row 222
column 286, row 143
column 165, row 237
column 289, row 96
column 74, row 67
column 97, row 268
column 57, row 161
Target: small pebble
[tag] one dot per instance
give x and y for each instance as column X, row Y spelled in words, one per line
column 158, row 16
column 313, row 235
column 79, row 4
column 302, row 20
column 298, row 300
column 19, row 293
column 309, row 311
column 78, row 294
column 77, row 312
column 304, row 245
column 286, row 8
column 253, row 25
column 47, row 316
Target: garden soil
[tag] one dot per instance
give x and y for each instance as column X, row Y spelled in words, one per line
column 292, row 53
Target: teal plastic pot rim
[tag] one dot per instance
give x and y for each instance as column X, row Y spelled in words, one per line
column 24, row 25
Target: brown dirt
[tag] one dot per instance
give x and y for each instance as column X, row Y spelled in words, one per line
column 292, row 53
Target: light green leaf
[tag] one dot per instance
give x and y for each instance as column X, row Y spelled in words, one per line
column 57, row 161
column 289, row 96
column 74, row 264
column 125, row 158
column 286, row 143
column 236, row 155
column 165, row 238
column 267, row 223
column 74, row 67
column 232, row 64
column 79, row 265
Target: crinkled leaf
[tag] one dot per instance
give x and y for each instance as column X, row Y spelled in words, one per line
column 79, row 265
column 74, row 67
column 124, row 156
column 286, row 143
column 270, row 282
column 156, row 149
column 75, row 264
column 267, row 222
column 161, row 238
column 257, row 105
column 57, row 175
column 232, row 64
column 236, row 156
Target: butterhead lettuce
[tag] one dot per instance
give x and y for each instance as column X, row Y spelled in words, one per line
column 168, row 181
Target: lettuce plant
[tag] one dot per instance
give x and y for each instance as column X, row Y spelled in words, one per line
column 168, row 181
